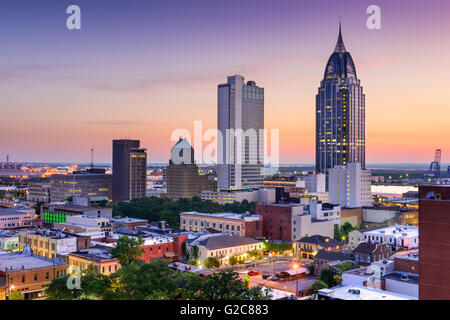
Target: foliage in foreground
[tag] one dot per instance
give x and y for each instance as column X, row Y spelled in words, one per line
column 155, row 281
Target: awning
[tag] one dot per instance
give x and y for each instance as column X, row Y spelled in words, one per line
column 294, row 272
column 169, row 254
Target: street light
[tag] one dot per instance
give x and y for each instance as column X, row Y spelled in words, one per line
column 296, row 282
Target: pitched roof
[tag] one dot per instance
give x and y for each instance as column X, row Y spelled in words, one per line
column 365, row 247
column 320, row 240
column 224, row 241
column 332, row 255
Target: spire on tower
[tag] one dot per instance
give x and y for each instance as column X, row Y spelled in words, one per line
column 340, row 47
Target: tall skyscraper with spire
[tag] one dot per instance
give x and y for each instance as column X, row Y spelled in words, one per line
column 340, row 113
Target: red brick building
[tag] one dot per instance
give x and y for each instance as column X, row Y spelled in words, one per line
column 407, row 261
column 156, row 247
column 434, row 237
column 164, row 248
column 277, row 220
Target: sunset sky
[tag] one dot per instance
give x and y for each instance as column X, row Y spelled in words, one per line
column 141, row 69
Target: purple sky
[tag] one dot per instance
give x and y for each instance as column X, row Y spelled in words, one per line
column 142, row 69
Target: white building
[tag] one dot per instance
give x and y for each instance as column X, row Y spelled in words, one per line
column 82, row 223
column 325, row 211
column 223, row 246
column 359, row 293
column 350, row 186
column 314, row 182
column 230, row 196
column 240, row 157
column 395, row 237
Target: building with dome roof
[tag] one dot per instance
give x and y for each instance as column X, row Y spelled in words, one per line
column 183, row 179
column 340, row 113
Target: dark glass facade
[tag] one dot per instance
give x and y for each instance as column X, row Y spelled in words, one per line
column 340, row 113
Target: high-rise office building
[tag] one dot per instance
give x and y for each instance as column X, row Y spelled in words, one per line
column 350, row 186
column 129, row 170
column 183, row 179
column 340, row 113
column 240, row 151
column 434, row 237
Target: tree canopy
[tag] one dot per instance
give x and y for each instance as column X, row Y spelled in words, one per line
column 155, row 281
column 155, row 209
column 127, row 249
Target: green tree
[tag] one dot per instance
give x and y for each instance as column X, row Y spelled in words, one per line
column 233, row 260
column 220, row 286
column 212, row 262
column 15, row 295
column 154, row 280
column 337, row 233
column 327, row 276
column 314, row 287
column 127, row 250
column 58, row 290
column 345, row 266
column 195, row 252
column 185, row 251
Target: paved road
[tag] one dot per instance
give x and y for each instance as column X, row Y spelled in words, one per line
column 287, row 286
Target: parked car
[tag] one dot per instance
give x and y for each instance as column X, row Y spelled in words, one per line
column 265, row 276
column 253, row 273
column 243, row 271
column 273, row 278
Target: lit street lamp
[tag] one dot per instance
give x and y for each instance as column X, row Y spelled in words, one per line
column 296, row 282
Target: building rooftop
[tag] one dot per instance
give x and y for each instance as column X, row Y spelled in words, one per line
column 361, row 293
column 320, row 240
column 225, row 215
column 26, row 260
column 333, row 256
column 365, row 248
column 220, row 241
column 15, row 211
column 402, row 276
column 408, row 255
column 95, row 254
column 396, row 231
column 48, row 233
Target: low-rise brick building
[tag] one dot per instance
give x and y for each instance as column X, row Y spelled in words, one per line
column 368, row 252
column 28, row 273
column 244, row 225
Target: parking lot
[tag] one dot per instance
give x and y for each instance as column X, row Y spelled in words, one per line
column 268, row 269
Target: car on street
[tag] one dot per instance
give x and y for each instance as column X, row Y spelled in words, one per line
column 265, row 276
column 253, row 273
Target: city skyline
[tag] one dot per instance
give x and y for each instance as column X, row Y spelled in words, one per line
column 64, row 92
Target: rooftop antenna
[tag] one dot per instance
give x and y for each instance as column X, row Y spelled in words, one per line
column 92, row 158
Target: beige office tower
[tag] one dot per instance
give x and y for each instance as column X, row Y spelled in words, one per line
column 183, row 179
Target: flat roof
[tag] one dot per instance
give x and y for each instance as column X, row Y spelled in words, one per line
column 15, row 211
column 224, row 215
column 17, row 260
column 365, row 293
column 396, row 231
